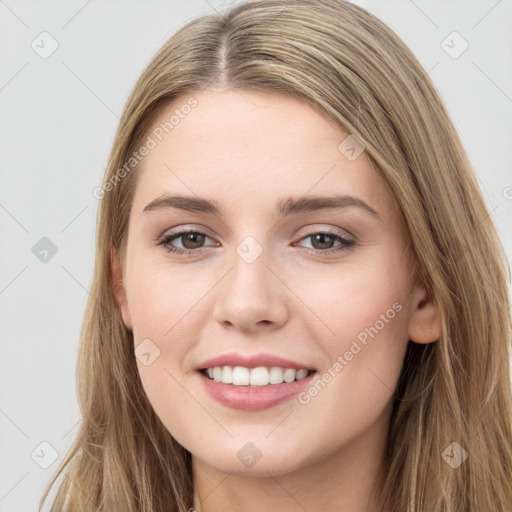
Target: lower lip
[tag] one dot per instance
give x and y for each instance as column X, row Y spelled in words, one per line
column 253, row 398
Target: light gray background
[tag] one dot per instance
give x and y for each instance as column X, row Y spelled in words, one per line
column 58, row 117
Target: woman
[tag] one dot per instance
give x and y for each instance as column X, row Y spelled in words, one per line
column 299, row 300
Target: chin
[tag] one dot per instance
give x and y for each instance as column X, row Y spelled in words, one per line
column 252, row 459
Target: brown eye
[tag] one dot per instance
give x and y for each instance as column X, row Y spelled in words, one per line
column 191, row 241
column 323, row 242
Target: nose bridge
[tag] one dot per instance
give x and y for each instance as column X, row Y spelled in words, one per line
column 251, row 294
column 250, row 273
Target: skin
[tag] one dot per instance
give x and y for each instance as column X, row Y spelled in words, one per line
column 245, row 151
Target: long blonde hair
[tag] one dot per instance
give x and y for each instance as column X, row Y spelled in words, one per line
column 354, row 70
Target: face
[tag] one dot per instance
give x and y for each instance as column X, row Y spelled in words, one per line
column 269, row 279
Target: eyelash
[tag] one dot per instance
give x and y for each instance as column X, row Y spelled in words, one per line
column 345, row 245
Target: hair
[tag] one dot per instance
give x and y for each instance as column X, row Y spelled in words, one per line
column 356, row 72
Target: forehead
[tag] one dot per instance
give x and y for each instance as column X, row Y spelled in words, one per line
column 243, row 147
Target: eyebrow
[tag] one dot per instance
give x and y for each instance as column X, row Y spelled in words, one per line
column 284, row 206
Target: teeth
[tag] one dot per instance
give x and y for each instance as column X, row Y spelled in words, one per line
column 289, row 375
column 240, row 376
column 276, row 375
column 227, row 375
column 300, row 374
column 259, row 376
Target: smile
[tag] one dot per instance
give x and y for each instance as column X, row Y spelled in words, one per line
column 257, row 377
column 254, row 389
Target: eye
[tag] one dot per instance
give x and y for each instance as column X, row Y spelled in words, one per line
column 192, row 242
column 321, row 239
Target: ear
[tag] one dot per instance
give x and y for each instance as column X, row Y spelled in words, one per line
column 425, row 323
column 119, row 289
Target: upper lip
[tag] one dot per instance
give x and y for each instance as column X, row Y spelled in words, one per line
column 252, row 361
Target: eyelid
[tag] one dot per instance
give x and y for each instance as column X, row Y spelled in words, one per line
column 335, row 230
column 180, row 228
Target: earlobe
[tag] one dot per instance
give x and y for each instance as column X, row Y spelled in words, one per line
column 119, row 288
column 425, row 322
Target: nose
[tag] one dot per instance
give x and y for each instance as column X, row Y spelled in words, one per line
column 252, row 296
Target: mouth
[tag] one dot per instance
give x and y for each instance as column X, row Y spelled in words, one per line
column 254, row 389
column 259, row 376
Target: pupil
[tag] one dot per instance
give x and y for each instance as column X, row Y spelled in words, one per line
column 321, row 237
column 192, row 237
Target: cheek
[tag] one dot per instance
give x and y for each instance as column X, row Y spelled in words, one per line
column 348, row 301
column 362, row 328
column 162, row 300
column 164, row 307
